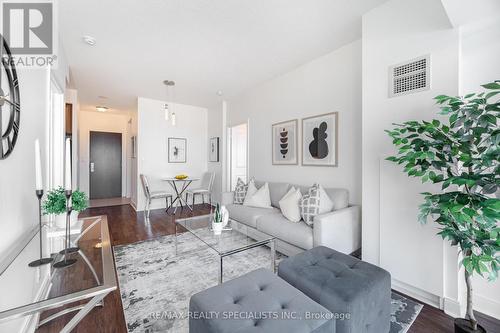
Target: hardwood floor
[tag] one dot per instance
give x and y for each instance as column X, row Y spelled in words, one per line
column 126, row 226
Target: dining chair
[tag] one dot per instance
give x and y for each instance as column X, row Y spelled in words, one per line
column 151, row 195
column 207, row 183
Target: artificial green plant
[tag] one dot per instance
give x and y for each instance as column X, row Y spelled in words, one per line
column 462, row 155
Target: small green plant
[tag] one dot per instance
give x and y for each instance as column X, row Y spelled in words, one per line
column 55, row 203
column 217, row 214
column 463, row 156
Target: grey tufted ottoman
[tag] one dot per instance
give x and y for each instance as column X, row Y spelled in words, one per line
column 359, row 291
column 257, row 302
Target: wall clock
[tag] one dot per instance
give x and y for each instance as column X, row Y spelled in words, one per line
column 10, row 107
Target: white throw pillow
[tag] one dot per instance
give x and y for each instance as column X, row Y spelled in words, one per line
column 325, row 203
column 261, row 198
column 251, row 190
column 289, row 205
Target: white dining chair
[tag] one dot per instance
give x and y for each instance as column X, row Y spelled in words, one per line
column 207, row 183
column 152, row 195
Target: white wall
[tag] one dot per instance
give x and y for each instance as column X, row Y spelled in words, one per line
column 216, row 128
column 327, row 84
column 479, row 65
column 18, row 203
column 103, row 122
column 153, row 132
column 397, row 31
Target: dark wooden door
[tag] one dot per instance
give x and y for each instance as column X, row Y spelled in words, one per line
column 105, row 165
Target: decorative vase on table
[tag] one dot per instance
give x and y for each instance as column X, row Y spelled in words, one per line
column 220, row 219
column 60, row 219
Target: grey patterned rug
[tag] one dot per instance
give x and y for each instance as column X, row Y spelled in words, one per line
column 156, row 284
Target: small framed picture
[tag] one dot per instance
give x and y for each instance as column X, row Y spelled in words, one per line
column 285, row 143
column 134, row 147
column 213, row 153
column 320, row 140
column 177, row 150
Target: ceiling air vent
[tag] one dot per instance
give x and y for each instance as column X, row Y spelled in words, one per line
column 410, row 77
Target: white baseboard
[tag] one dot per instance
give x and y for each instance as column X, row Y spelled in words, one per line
column 487, row 306
column 416, row 293
column 453, row 308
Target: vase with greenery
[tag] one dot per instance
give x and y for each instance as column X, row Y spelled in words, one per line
column 55, row 203
column 462, row 155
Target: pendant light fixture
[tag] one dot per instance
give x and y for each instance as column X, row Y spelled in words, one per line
column 168, row 109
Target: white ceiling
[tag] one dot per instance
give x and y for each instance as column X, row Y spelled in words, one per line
column 203, row 45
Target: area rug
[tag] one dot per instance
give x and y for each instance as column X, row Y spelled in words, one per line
column 156, row 284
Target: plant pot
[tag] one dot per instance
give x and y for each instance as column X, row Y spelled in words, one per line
column 463, row 326
column 217, row 227
column 60, row 219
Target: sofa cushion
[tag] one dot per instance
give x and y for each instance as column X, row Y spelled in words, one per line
column 295, row 233
column 240, row 192
column 249, row 215
column 252, row 296
column 339, row 197
column 261, row 198
column 277, row 191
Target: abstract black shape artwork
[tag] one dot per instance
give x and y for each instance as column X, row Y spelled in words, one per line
column 319, row 140
column 318, row 148
column 285, row 143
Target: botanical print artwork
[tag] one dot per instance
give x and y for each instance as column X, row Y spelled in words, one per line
column 284, row 141
column 176, row 150
column 319, row 140
column 214, row 150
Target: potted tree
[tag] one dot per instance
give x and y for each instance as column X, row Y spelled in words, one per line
column 55, row 203
column 462, row 155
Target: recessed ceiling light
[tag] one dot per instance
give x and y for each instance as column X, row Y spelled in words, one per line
column 89, row 40
column 101, row 108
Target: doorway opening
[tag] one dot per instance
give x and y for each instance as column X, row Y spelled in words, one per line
column 238, row 154
column 105, row 165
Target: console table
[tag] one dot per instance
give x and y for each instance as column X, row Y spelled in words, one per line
column 87, row 282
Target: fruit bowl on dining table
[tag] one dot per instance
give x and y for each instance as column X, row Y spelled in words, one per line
column 181, row 177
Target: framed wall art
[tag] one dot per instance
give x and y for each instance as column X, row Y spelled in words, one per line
column 213, row 150
column 285, row 143
column 320, row 140
column 177, row 148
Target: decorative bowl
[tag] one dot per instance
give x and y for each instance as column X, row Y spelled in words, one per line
column 181, row 177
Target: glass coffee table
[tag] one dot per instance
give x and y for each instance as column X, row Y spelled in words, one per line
column 234, row 239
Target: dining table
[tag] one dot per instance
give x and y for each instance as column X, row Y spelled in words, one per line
column 179, row 186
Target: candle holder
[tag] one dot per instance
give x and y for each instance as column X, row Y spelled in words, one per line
column 67, row 249
column 41, row 261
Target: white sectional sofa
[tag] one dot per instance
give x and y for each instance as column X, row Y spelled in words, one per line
column 339, row 229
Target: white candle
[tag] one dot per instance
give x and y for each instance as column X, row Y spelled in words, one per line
column 67, row 173
column 38, row 167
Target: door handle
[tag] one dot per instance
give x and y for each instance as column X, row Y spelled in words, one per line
column 91, row 166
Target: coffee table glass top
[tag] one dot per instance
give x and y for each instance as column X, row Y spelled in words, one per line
column 237, row 238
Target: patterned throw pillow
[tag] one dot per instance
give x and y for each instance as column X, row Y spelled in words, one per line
column 309, row 205
column 240, row 192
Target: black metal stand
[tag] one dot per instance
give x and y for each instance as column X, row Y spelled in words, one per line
column 41, row 261
column 67, row 262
